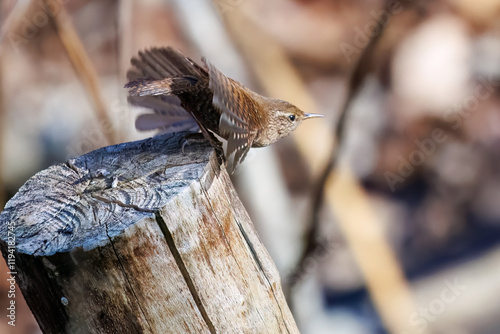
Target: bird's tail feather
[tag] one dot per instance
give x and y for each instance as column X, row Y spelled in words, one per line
column 156, row 76
column 161, row 63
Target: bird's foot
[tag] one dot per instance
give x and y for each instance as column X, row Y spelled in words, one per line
column 192, row 138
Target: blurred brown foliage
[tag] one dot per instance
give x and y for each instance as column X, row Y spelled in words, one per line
column 421, row 138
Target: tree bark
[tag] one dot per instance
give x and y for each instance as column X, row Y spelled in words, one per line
column 141, row 238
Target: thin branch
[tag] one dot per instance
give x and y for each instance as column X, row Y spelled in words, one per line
column 355, row 82
column 395, row 304
column 124, row 40
column 84, row 68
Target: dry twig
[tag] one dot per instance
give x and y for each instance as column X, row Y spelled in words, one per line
column 388, row 287
column 84, row 68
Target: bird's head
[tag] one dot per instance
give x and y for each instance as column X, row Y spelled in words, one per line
column 284, row 118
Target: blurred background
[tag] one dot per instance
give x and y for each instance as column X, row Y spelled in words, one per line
column 388, row 223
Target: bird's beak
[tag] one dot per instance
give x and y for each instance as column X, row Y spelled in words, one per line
column 313, row 116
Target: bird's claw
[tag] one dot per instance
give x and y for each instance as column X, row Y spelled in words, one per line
column 191, row 138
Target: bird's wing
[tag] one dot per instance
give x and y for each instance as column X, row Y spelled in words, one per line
column 238, row 115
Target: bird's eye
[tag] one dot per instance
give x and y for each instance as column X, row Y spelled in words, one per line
column 292, row 118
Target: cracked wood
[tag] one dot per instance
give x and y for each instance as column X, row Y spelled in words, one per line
column 141, row 238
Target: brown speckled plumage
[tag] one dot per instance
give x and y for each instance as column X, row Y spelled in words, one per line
column 218, row 104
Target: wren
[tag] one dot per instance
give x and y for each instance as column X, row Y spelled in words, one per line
column 172, row 84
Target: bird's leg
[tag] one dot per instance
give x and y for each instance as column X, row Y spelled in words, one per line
column 201, row 137
column 190, row 138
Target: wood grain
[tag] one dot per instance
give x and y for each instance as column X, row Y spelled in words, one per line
column 141, row 238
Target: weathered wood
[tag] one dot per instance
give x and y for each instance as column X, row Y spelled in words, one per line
column 142, row 238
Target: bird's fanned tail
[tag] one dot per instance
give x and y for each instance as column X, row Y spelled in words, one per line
column 155, row 75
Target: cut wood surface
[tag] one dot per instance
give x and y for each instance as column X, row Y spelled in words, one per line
column 142, row 238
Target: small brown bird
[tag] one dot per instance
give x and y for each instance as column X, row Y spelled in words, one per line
column 170, row 83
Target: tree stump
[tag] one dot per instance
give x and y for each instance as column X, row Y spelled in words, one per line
column 141, row 238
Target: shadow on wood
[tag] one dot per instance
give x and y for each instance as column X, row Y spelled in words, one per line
column 141, row 238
